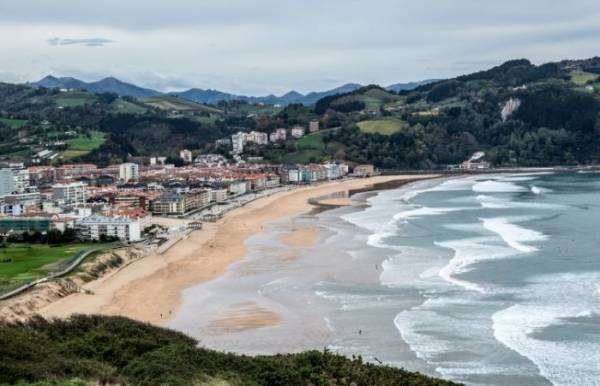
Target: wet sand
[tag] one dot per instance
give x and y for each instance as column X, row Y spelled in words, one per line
column 150, row 290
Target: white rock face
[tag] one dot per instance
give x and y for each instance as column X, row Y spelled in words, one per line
column 509, row 108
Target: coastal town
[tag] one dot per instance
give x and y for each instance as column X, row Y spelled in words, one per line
column 119, row 202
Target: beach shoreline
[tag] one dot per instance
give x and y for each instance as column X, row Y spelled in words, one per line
column 150, row 290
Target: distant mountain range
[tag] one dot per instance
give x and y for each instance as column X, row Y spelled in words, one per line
column 110, row 84
column 121, row 88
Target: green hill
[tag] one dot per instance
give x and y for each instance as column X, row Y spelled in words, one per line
column 90, row 350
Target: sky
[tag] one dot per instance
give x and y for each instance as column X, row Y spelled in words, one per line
column 273, row 46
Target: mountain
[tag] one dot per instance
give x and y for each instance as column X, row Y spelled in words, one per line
column 110, row 84
column 215, row 96
column 209, row 96
column 410, row 85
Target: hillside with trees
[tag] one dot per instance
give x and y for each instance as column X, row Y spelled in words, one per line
column 519, row 113
column 86, row 350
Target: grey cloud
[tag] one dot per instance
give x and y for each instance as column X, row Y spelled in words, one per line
column 89, row 42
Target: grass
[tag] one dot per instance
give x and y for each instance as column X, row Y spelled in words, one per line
column 13, row 123
column 71, row 154
column 311, row 142
column 168, row 102
column 74, row 98
column 22, row 263
column 386, row 126
column 580, row 78
column 87, row 143
column 123, row 106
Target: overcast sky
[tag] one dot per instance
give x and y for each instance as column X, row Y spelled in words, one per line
column 273, row 46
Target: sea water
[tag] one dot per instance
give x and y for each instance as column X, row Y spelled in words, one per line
column 486, row 280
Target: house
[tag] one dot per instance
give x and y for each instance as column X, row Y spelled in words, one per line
column 364, row 170
column 278, row 135
column 313, row 126
column 186, row 156
column 297, row 131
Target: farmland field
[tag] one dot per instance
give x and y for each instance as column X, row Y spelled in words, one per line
column 382, row 126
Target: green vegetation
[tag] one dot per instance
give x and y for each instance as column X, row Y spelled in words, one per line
column 87, row 142
column 83, row 144
column 311, row 142
column 386, row 126
column 581, row 77
column 74, row 99
column 13, row 123
column 173, row 103
column 116, row 350
column 127, row 107
column 23, row 263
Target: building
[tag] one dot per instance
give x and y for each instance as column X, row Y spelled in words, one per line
column 257, row 137
column 218, row 195
column 179, row 204
column 278, row 135
column 238, row 141
column 364, row 170
column 313, row 126
column 476, row 162
column 225, row 142
column 297, row 131
column 186, row 156
column 238, row 187
column 73, row 193
column 99, row 227
column 129, row 172
column 7, row 182
column 24, row 224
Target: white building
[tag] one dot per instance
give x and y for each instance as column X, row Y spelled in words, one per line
column 238, row 141
column 297, row 131
column 257, row 137
column 73, row 193
column 218, row 195
column 278, row 135
column 238, row 187
column 129, row 172
column 123, row 228
column 186, row 156
column 313, row 126
column 7, row 182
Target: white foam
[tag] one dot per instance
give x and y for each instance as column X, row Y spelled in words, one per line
column 427, row 211
column 513, row 235
column 466, row 253
column 539, row 190
column 546, row 302
column 493, row 186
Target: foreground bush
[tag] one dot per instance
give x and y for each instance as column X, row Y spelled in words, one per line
column 116, row 350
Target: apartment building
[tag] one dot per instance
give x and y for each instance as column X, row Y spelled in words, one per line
column 186, row 156
column 179, row 204
column 95, row 227
column 72, row 193
column 129, row 172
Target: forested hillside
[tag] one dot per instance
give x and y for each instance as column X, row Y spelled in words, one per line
column 518, row 113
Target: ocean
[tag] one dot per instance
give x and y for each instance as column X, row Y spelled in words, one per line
column 485, row 280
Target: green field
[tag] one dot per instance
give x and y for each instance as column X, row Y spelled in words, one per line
column 123, row 106
column 13, row 123
column 22, row 263
column 387, row 126
column 87, row 143
column 74, row 99
column 311, row 142
column 172, row 103
column 581, row 77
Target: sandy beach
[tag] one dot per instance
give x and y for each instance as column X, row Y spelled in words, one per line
column 150, row 289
